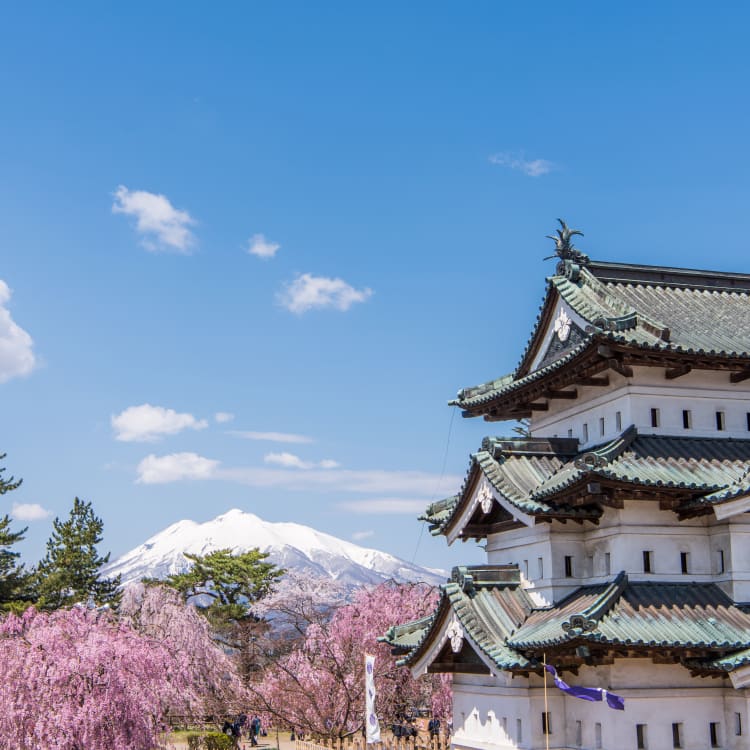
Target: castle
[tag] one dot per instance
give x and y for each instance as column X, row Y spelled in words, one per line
column 617, row 530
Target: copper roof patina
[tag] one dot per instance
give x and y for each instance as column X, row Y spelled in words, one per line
column 489, row 604
column 640, row 614
column 632, row 312
column 503, row 624
column 543, row 479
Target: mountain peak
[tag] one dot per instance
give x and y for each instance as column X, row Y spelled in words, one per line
column 292, row 546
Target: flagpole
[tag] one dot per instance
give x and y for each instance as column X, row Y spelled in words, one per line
column 546, row 712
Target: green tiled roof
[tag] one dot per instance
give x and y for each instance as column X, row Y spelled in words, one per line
column 675, row 615
column 701, row 472
column 489, row 610
column 723, row 664
column 500, row 619
column 676, row 311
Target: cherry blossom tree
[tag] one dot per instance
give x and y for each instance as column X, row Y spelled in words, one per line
column 319, row 685
column 80, row 679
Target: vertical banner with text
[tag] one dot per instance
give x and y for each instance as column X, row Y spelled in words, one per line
column 371, row 720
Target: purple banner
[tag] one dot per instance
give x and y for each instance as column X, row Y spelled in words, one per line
column 585, row 693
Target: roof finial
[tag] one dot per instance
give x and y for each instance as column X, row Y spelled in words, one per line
column 564, row 248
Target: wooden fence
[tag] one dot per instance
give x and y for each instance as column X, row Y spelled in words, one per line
column 441, row 742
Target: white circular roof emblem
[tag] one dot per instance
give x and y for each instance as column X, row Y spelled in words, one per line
column 562, row 325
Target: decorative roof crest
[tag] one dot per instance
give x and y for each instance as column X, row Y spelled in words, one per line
column 455, row 634
column 571, row 258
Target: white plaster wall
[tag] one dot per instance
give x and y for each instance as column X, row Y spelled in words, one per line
column 487, row 710
column 624, row 534
column 703, row 393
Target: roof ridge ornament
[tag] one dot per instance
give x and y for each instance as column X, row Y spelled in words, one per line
column 571, row 259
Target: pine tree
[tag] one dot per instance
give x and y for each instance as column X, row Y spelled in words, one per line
column 69, row 572
column 13, row 577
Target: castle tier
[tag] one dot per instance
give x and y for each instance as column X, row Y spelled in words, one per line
column 617, row 532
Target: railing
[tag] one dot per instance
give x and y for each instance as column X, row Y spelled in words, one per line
column 440, row 742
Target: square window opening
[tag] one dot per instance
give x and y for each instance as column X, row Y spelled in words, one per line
column 640, row 736
column 618, row 420
column 684, row 562
column 546, row 723
column 601, row 426
column 720, row 421
column 585, row 432
column 655, row 417
column 648, row 566
column 607, row 563
column 677, row 735
column 687, row 419
column 713, row 733
column 568, row 566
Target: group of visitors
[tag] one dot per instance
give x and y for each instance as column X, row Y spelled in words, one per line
column 235, row 728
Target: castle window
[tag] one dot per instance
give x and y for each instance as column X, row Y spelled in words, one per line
column 738, row 724
column 519, row 731
column 540, row 567
column 713, row 733
column 546, row 723
column 570, row 432
column 579, row 734
column 722, row 566
column 648, row 566
column 585, row 433
column 654, row 417
column 684, row 562
column 598, row 735
column 568, row 566
column 607, row 563
column 747, row 417
column 687, row 419
column 676, row 735
column 640, row 736
column 526, row 569
column 720, row 421
column 601, row 426
column 618, row 420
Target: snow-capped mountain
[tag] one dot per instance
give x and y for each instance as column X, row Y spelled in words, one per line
column 291, row 546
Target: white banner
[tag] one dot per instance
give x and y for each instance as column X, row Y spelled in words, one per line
column 371, row 720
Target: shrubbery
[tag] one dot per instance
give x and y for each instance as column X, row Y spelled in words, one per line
column 210, row 741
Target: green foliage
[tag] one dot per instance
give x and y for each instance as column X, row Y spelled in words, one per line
column 13, row 577
column 69, row 572
column 216, row 741
column 231, row 582
column 194, row 741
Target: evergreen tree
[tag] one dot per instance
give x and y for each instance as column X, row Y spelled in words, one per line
column 69, row 572
column 13, row 577
column 232, row 583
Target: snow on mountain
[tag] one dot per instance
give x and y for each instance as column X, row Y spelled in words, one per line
column 291, row 546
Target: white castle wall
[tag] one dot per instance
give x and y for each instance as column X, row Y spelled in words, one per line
column 617, row 543
column 489, row 712
column 702, row 393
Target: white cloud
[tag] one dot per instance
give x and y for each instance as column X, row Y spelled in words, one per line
column 147, row 424
column 290, row 461
column 29, row 512
column 358, row 536
column 175, row 467
column 390, row 486
column 162, row 226
column 385, row 506
column 517, row 161
column 308, row 292
column 261, row 247
column 16, row 346
column 222, row 417
column 271, row 437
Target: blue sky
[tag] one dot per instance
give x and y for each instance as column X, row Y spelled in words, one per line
column 394, row 167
